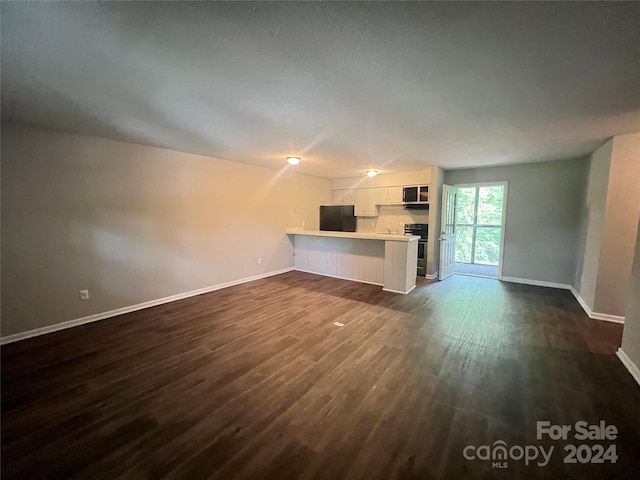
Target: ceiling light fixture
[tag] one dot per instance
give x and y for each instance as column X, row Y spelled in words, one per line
column 372, row 173
column 293, row 160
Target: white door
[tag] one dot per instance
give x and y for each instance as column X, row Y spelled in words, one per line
column 448, row 232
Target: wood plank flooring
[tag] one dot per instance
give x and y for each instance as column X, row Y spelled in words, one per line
column 254, row 382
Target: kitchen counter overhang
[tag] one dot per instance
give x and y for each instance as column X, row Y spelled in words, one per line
column 396, row 237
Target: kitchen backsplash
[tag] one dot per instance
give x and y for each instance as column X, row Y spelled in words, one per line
column 393, row 216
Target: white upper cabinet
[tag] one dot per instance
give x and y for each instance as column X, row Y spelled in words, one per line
column 343, row 197
column 349, row 197
column 394, row 194
column 366, row 199
column 380, row 195
column 365, row 206
column 387, row 195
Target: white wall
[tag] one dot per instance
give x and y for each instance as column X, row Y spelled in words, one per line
column 133, row 223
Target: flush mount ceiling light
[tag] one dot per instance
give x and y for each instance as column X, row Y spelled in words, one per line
column 372, row 173
column 293, row 160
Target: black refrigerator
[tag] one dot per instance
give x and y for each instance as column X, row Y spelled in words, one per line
column 337, row 218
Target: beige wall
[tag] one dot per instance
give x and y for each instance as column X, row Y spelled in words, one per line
column 620, row 222
column 611, row 216
column 134, row 223
column 587, row 269
column 393, row 216
column 419, row 177
column 631, row 334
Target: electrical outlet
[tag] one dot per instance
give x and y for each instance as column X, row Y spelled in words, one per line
column 259, row 260
column 84, row 294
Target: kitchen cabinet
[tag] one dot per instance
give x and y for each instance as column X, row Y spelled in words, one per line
column 400, row 266
column 387, row 195
column 394, row 194
column 365, row 205
column 380, row 196
column 349, row 197
column 343, row 197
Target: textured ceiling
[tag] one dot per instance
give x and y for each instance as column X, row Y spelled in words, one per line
column 348, row 86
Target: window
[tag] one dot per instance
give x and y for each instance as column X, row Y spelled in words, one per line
column 479, row 224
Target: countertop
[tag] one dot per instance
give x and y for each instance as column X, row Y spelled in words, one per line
column 396, row 237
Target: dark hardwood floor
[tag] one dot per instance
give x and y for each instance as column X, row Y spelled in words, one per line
column 254, row 382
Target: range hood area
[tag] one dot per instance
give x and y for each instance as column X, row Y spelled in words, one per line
column 415, row 206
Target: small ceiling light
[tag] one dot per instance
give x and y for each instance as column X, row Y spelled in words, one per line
column 372, row 173
column 293, row 160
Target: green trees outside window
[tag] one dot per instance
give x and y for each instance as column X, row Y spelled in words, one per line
column 479, row 224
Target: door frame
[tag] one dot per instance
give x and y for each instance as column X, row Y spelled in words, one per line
column 505, row 184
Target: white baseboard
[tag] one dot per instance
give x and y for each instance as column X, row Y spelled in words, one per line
column 431, row 277
column 398, row 291
column 341, row 278
column 537, row 283
column 591, row 314
column 119, row 311
column 632, row 367
column 595, row 315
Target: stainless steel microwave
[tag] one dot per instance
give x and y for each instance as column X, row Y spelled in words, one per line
column 416, row 195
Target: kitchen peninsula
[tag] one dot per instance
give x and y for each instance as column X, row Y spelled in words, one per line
column 382, row 259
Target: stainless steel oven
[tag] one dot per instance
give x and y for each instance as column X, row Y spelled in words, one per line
column 421, row 229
